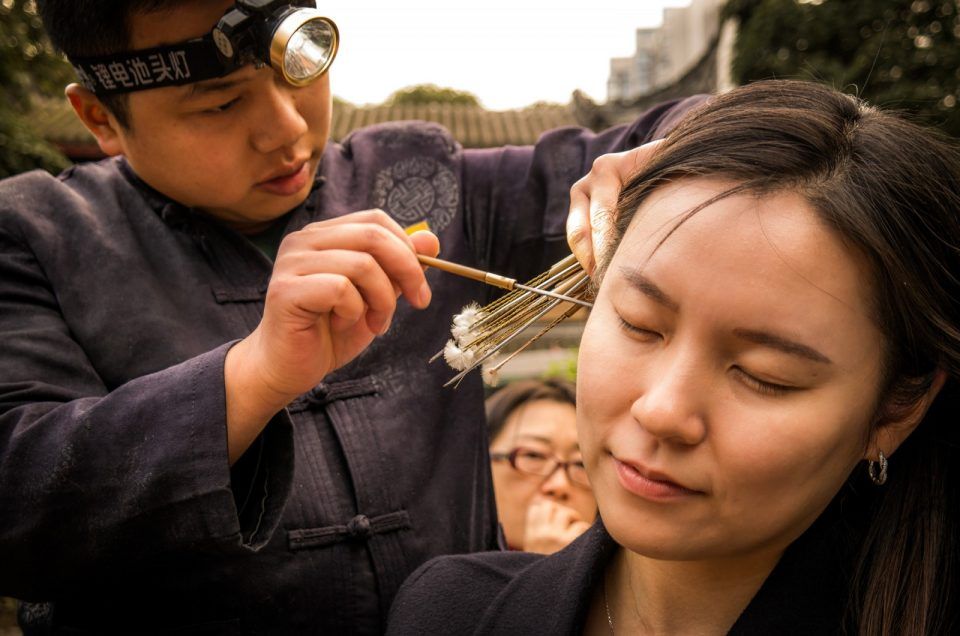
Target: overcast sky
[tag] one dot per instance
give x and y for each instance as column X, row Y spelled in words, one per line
column 509, row 53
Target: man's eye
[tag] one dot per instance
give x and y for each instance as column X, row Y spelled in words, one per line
column 222, row 108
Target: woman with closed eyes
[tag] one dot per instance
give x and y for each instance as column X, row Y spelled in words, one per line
column 767, row 392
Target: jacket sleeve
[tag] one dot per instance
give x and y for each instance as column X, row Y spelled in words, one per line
column 90, row 477
column 517, row 197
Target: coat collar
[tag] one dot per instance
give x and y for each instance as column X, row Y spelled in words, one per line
column 805, row 594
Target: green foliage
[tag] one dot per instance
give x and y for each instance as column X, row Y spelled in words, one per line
column 28, row 67
column 431, row 94
column 564, row 369
column 21, row 149
column 900, row 54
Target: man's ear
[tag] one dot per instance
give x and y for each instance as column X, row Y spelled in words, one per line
column 896, row 424
column 97, row 119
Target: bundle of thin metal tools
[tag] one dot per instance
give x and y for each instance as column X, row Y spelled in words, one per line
column 481, row 334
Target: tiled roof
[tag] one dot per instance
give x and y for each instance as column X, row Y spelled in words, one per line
column 472, row 126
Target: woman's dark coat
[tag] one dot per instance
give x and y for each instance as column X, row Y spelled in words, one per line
column 530, row 594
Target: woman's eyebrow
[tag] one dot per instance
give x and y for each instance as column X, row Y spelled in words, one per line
column 783, row 344
column 647, row 287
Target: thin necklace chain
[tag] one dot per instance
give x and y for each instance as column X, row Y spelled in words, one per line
column 606, row 605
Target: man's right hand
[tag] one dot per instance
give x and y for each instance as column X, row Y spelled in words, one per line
column 334, row 288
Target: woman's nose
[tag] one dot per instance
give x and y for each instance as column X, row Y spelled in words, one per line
column 557, row 484
column 281, row 123
column 670, row 406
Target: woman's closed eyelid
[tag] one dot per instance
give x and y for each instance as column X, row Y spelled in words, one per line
column 754, row 383
column 763, row 386
column 640, row 331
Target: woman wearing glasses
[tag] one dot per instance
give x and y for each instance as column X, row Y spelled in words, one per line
column 767, row 392
column 543, row 493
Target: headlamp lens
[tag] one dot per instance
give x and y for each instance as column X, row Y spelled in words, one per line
column 303, row 46
column 309, row 51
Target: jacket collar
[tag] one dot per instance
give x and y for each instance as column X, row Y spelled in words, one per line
column 805, row 594
column 169, row 211
column 552, row 595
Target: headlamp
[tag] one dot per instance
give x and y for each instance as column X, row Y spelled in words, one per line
column 295, row 39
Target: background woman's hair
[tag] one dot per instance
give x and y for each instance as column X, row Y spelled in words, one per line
column 505, row 401
column 890, row 189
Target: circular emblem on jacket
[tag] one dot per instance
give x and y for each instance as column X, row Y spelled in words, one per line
column 418, row 189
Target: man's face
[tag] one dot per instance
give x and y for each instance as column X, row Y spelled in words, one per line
column 243, row 148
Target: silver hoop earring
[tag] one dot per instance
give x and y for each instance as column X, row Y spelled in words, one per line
column 881, row 478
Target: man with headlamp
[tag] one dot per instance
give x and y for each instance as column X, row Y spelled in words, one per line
column 215, row 413
column 294, row 39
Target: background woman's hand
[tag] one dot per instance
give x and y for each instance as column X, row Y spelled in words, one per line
column 551, row 526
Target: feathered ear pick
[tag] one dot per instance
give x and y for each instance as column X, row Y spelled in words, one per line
column 480, row 333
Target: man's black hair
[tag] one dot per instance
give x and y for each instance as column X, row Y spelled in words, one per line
column 88, row 28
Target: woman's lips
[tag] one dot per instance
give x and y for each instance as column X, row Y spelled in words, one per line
column 649, row 485
column 289, row 183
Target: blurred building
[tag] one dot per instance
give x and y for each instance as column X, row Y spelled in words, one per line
column 665, row 53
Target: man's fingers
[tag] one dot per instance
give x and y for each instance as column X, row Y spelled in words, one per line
column 394, row 254
column 642, row 155
column 425, row 242
column 578, row 228
column 363, row 270
column 374, row 215
column 593, row 201
column 605, row 185
column 324, row 293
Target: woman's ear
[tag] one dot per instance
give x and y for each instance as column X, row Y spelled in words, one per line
column 896, row 424
column 97, row 119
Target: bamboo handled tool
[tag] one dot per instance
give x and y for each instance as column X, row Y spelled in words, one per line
column 480, row 334
column 496, row 280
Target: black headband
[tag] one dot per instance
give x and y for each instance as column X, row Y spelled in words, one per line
column 183, row 63
column 242, row 36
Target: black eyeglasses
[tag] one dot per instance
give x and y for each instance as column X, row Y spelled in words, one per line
column 534, row 462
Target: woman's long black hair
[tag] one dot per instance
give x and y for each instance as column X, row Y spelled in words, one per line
column 891, row 190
